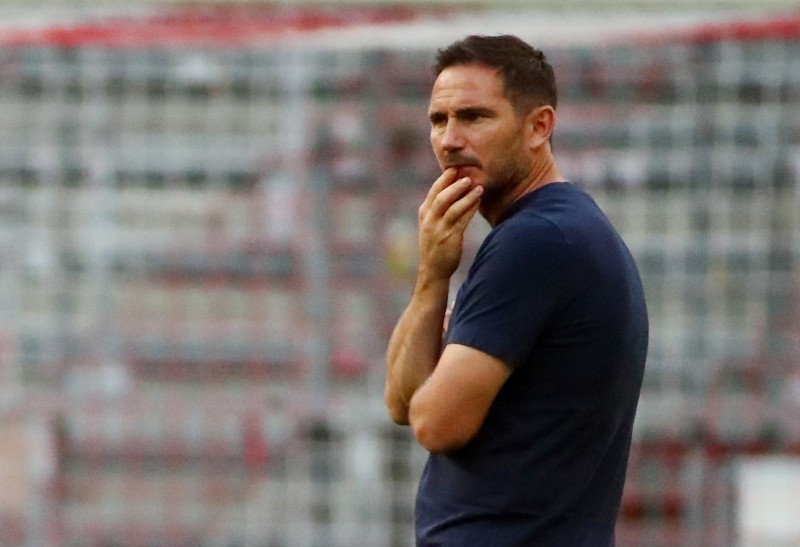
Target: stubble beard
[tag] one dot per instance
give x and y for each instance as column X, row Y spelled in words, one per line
column 499, row 188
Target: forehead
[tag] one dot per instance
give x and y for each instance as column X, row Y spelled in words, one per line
column 467, row 85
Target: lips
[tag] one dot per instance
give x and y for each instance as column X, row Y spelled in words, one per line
column 463, row 169
column 460, row 163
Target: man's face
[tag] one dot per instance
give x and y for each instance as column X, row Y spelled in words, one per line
column 475, row 129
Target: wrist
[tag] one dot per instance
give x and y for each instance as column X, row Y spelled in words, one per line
column 431, row 283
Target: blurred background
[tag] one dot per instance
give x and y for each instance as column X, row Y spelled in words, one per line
column 208, row 230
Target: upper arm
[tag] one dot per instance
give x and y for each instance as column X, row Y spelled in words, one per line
column 449, row 409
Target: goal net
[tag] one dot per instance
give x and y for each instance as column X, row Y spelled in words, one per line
column 209, row 229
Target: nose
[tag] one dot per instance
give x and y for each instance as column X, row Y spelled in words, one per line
column 451, row 139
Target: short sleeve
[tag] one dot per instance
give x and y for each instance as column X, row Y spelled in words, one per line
column 518, row 279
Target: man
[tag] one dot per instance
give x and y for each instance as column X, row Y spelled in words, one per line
column 527, row 405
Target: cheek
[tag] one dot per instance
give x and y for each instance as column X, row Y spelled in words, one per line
column 503, row 155
column 512, row 145
column 438, row 151
column 435, row 140
column 495, row 152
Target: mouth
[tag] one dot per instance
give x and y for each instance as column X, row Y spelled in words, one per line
column 462, row 169
column 460, row 165
column 458, row 160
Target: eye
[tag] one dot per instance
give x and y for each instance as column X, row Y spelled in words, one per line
column 470, row 115
column 437, row 119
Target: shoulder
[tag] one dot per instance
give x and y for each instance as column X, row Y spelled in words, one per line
column 549, row 209
column 536, row 229
column 549, row 233
column 526, row 249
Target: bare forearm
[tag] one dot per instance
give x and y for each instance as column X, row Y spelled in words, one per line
column 415, row 346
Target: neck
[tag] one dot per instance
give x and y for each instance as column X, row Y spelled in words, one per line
column 494, row 209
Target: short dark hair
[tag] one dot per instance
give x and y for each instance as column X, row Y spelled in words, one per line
column 528, row 79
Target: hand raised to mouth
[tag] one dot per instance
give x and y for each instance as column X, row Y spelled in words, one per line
column 443, row 218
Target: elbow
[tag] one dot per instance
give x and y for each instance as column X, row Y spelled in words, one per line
column 398, row 414
column 428, row 439
column 437, row 436
column 398, row 410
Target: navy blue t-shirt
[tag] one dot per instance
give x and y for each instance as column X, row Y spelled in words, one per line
column 555, row 294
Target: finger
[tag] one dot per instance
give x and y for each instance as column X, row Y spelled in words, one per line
column 462, row 211
column 449, row 195
column 447, row 178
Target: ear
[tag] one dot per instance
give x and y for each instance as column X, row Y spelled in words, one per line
column 539, row 125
